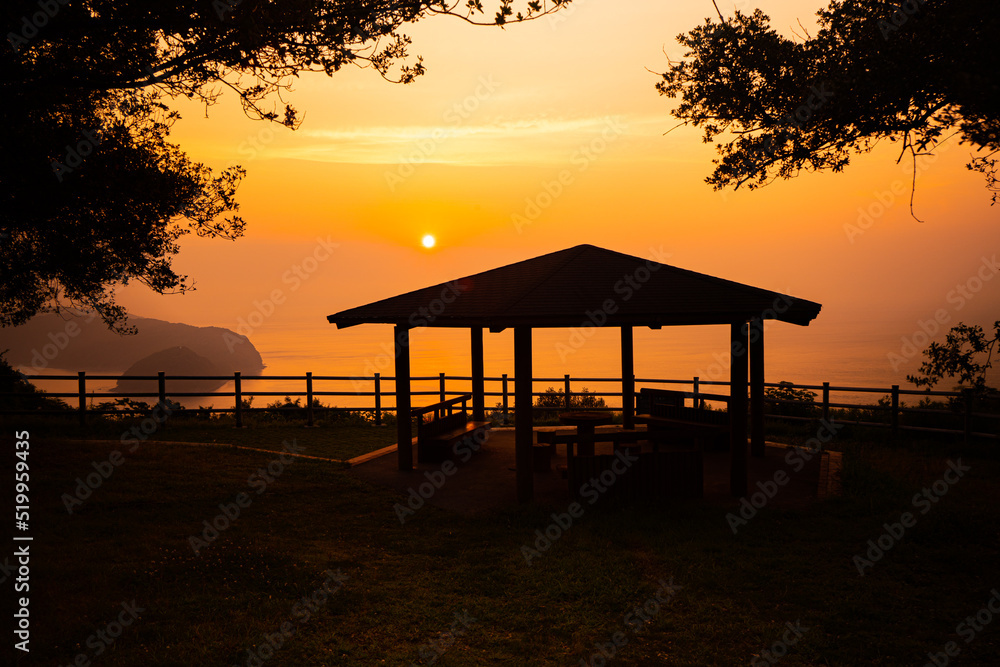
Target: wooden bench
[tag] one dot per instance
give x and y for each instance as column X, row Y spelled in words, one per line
column 647, row 398
column 708, row 428
column 438, row 437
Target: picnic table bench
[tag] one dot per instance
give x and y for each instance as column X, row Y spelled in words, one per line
column 666, row 417
column 647, row 398
column 545, row 448
column 439, row 436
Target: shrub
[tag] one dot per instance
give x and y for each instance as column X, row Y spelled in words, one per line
column 792, row 402
column 557, row 401
column 17, row 393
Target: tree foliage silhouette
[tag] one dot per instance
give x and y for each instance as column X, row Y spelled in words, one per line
column 913, row 72
column 966, row 354
column 93, row 194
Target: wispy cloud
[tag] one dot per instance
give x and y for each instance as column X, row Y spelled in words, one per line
column 539, row 140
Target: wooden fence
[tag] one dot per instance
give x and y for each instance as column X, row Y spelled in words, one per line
column 893, row 407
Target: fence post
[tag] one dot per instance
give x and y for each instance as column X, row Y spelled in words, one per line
column 567, row 403
column 378, row 399
column 82, row 385
column 161, row 387
column 238, row 392
column 895, row 411
column 826, row 402
column 694, row 391
column 968, row 415
column 443, row 393
column 309, row 398
column 504, row 399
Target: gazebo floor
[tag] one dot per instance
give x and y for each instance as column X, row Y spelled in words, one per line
column 487, row 481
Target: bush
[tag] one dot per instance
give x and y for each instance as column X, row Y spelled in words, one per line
column 289, row 410
column 496, row 416
column 557, row 401
column 17, row 393
column 123, row 408
column 552, row 399
column 792, row 402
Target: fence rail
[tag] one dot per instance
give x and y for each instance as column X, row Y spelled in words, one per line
column 894, row 406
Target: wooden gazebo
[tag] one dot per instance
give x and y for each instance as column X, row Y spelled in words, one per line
column 579, row 286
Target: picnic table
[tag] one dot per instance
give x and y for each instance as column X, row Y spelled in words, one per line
column 585, row 423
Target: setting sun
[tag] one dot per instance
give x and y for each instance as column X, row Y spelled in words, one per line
column 428, row 241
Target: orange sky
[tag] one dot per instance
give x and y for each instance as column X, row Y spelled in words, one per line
column 470, row 151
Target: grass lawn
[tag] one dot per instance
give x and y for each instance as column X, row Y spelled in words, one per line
column 404, row 588
column 329, row 440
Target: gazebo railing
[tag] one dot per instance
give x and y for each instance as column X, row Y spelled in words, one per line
column 444, row 407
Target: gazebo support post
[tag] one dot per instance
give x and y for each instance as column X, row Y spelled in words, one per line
column 738, row 409
column 523, row 402
column 757, row 387
column 478, row 376
column 628, row 379
column 404, row 446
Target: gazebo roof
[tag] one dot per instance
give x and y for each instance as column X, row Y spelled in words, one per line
column 581, row 285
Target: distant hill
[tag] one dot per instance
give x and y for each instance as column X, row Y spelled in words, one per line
column 79, row 344
column 172, row 361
